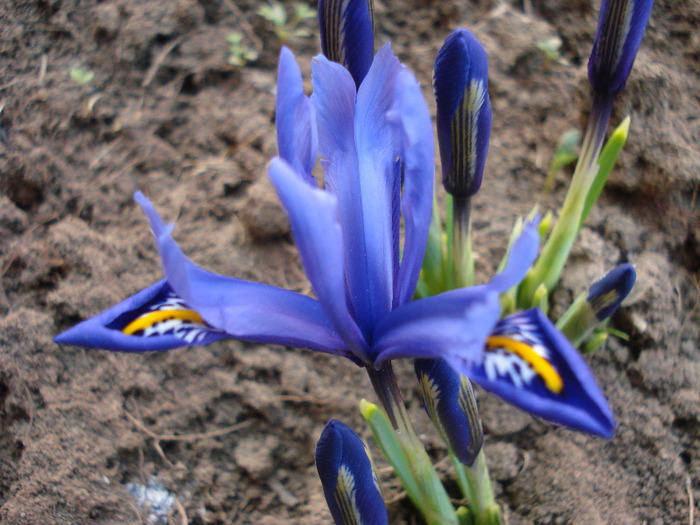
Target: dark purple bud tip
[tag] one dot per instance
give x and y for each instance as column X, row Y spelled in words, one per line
column 450, row 403
column 606, row 295
column 460, row 83
column 347, row 34
column 621, row 25
column 347, row 474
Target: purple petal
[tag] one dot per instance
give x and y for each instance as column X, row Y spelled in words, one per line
column 530, row 364
column 621, row 26
column 460, row 83
column 449, row 400
column 243, row 309
column 521, row 255
column 297, row 139
column 349, row 482
column 453, row 325
column 312, row 215
column 412, row 125
column 347, row 34
column 607, row 294
column 379, row 181
column 153, row 319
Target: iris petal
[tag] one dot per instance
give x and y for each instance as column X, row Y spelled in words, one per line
column 521, row 255
column 312, row 214
column 295, row 118
column 530, row 364
column 449, row 400
column 151, row 320
column 453, row 325
column 607, row 294
column 621, row 26
column 463, row 111
column 243, row 309
column 379, row 182
column 412, row 124
column 347, row 34
column 347, row 474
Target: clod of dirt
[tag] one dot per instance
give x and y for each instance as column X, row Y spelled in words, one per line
column 255, row 456
column 262, row 214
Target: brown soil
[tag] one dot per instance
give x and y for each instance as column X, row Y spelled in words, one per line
column 166, row 114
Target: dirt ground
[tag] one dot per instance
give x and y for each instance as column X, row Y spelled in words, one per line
column 229, row 430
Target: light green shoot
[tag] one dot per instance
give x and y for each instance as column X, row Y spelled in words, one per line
column 551, row 48
column 283, row 26
column 239, row 53
column 81, row 76
column 564, row 154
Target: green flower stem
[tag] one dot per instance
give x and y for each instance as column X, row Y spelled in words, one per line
column 555, row 253
column 433, row 269
column 461, row 261
column 578, row 321
column 435, row 503
column 475, row 484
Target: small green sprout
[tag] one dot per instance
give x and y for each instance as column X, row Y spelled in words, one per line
column 551, row 48
column 81, row 76
column 564, row 154
column 239, row 53
column 284, row 27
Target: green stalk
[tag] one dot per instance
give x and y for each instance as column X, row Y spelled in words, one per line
column 555, row 253
column 461, row 261
column 434, row 501
column 475, row 483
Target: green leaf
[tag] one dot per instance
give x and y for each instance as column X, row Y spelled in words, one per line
column 609, row 155
column 81, row 76
column 386, row 439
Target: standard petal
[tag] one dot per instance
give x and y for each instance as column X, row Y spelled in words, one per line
column 453, row 325
column 295, row 118
column 379, row 182
column 244, row 310
column 530, row 364
column 414, row 139
column 347, row 474
column 312, row 215
column 520, row 257
column 153, row 319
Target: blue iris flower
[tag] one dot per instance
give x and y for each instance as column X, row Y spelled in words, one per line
column 376, row 148
column 621, row 26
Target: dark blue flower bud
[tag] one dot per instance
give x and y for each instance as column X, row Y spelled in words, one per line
column 347, row 34
column 451, row 405
column 347, row 474
column 460, row 83
column 606, row 295
column 621, row 25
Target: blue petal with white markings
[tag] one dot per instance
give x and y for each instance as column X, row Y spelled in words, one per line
column 530, row 364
